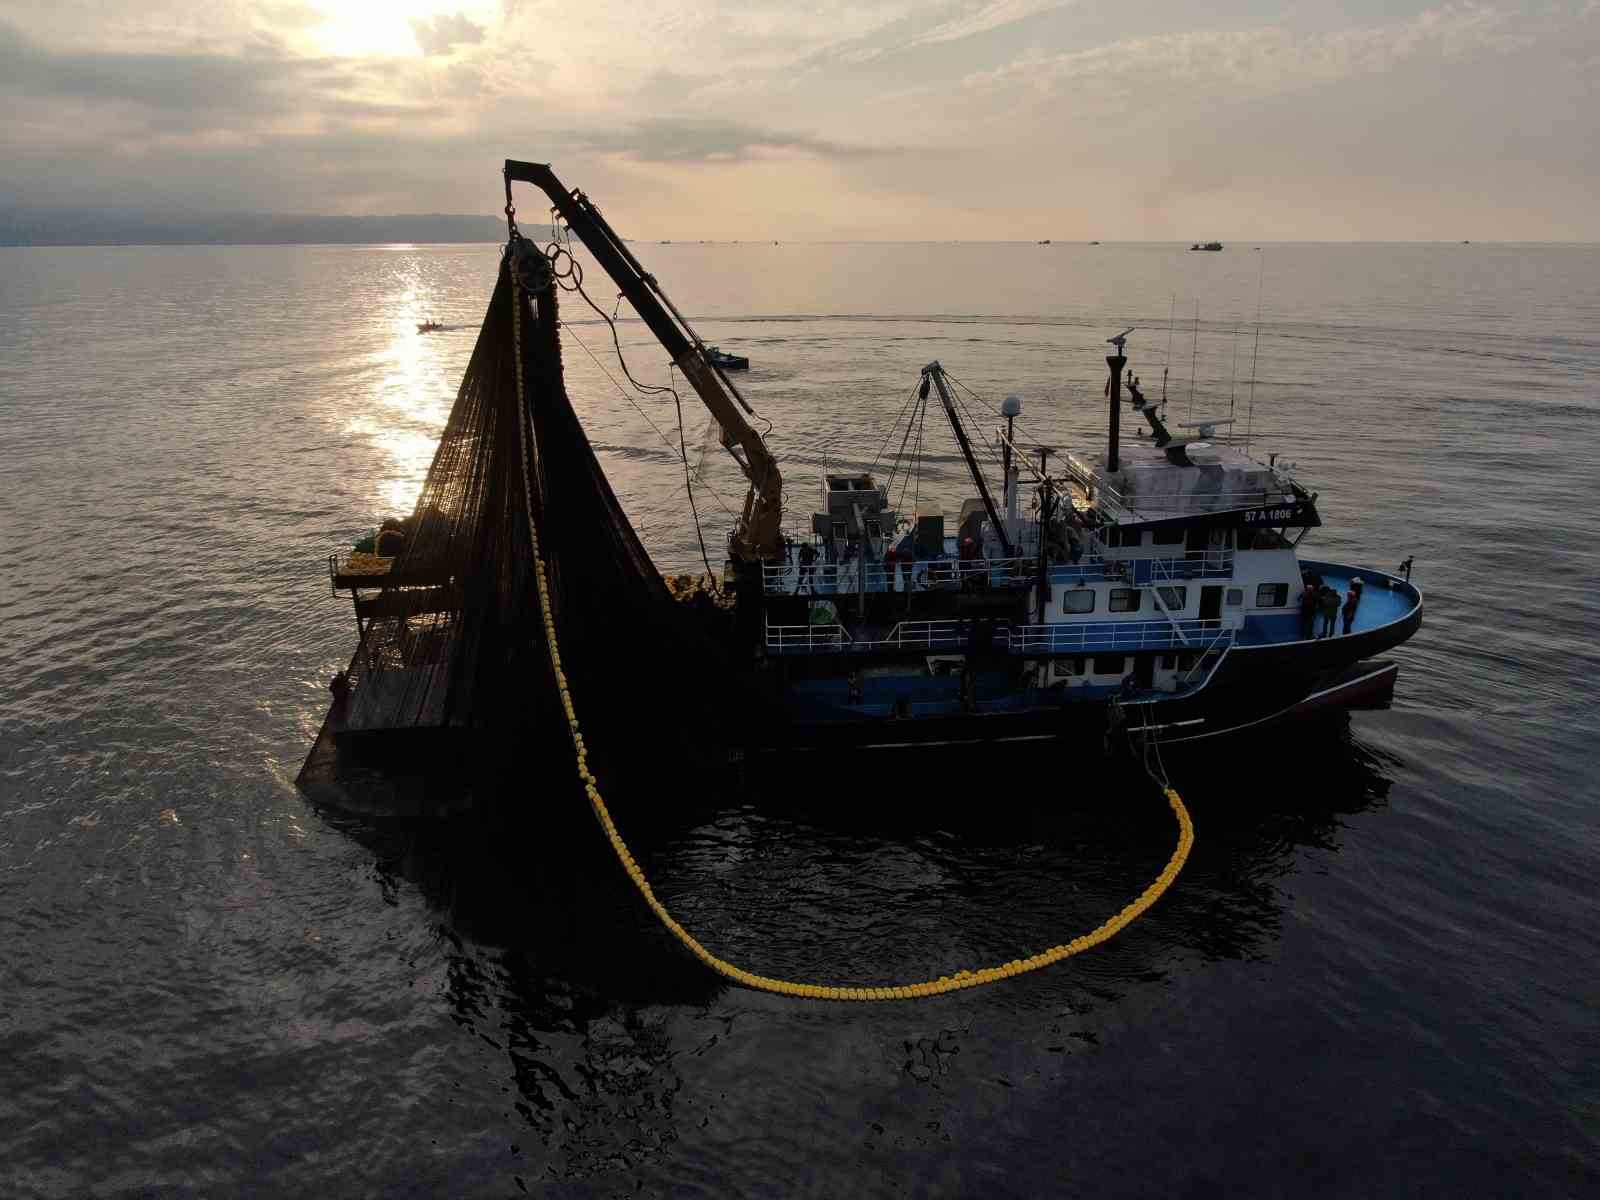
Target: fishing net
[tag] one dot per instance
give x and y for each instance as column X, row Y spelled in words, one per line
column 454, row 639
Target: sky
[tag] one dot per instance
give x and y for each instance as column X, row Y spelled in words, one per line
column 894, row 119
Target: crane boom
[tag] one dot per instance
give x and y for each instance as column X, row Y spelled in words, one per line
column 759, row 534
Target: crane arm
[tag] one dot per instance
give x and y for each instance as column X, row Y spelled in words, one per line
column 759, row 534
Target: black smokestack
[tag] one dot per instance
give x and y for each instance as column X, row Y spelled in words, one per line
column 1115, row 362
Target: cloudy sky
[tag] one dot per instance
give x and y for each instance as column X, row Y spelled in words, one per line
column 826, row 118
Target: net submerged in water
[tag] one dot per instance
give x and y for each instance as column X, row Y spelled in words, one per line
column 454, row 638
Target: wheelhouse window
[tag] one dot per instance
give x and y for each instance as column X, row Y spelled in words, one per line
column 1124, row 600
column 1272, row 595
column 1175, row 598
column 1109, row 664
column 1077, row 600
column 1167, row 537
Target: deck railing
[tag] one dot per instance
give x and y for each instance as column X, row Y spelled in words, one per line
column 795, row 639
column 925, row 575
column 1081, row 637
column 1194, row 564
column 1093, row 637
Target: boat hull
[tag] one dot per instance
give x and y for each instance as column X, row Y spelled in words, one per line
column 1252, row 687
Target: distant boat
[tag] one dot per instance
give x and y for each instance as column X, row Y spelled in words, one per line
column 428, row 326
column 1045, row 242
column 1094, row 243
column 1207, row 246
column 728, row 362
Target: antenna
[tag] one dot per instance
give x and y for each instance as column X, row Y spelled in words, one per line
column 1261, row 267
column 1171, row 312
column 1195, row 355
column 1233, row 381
column 1121, row 339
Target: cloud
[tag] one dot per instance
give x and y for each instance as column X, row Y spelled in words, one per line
column 687, row 141
column 445, row 32
column 982, row 18
column 1266, row 60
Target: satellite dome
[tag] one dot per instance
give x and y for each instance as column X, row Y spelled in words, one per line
column 1011, row 405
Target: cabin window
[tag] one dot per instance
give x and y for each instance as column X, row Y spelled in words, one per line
column 873, row 529
column 1124, row 600
column 1109, row 664
column 1113, row 536
column 1077, row 600
column 1061, row 668
column 1133, row 537
column 1169, row 661
column 1234, row 598
column 839, row 530
column 1167, row 537
column 1272, row 595
column 1175, row 598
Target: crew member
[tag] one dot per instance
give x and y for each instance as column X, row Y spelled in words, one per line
column 1308, row 609
column 1351, row 603
column 1328, row 602
column 808, row 557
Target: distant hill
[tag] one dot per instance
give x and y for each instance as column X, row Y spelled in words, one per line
column 84, row 227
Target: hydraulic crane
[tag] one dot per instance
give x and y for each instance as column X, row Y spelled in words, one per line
column 758, row 536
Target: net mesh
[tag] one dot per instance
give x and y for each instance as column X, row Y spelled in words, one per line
column 455, row 639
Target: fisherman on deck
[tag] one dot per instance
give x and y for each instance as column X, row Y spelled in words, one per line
column 1328, row 603
column 808, row 558
column 906, row 551
column 1308, row 609
column 1351, row 603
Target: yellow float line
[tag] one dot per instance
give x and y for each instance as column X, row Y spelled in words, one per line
column 783, row 987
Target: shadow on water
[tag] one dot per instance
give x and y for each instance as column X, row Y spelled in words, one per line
column 909, row 866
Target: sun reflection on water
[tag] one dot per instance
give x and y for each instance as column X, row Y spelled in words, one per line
column 408, row 397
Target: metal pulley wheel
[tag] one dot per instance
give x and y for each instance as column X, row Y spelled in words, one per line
column 532, row 267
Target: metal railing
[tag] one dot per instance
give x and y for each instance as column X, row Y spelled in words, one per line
column 906, row 635
column 926, row 575
column 1111, row 499
column 1195, row 564
column 794, row 638
column 1092, row 637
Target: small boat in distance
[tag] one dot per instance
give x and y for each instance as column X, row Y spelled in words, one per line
column 728, row 362
column 429, row 326
column 1207, row 246
column 1094, row 243
column 1044, row 242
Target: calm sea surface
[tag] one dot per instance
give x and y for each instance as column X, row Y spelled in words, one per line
column 1379, row 975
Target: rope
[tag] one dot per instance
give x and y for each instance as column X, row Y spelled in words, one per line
column 783, row 987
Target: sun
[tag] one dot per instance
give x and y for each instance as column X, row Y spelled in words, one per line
column 382, row 28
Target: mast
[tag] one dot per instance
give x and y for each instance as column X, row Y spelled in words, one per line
column 1115, row 362
column 933, row 371
column 758, row 535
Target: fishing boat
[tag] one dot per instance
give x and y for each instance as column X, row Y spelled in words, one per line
column 429, row 326
column 1206, row 246
column 728, row 362
column 1154, row 581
